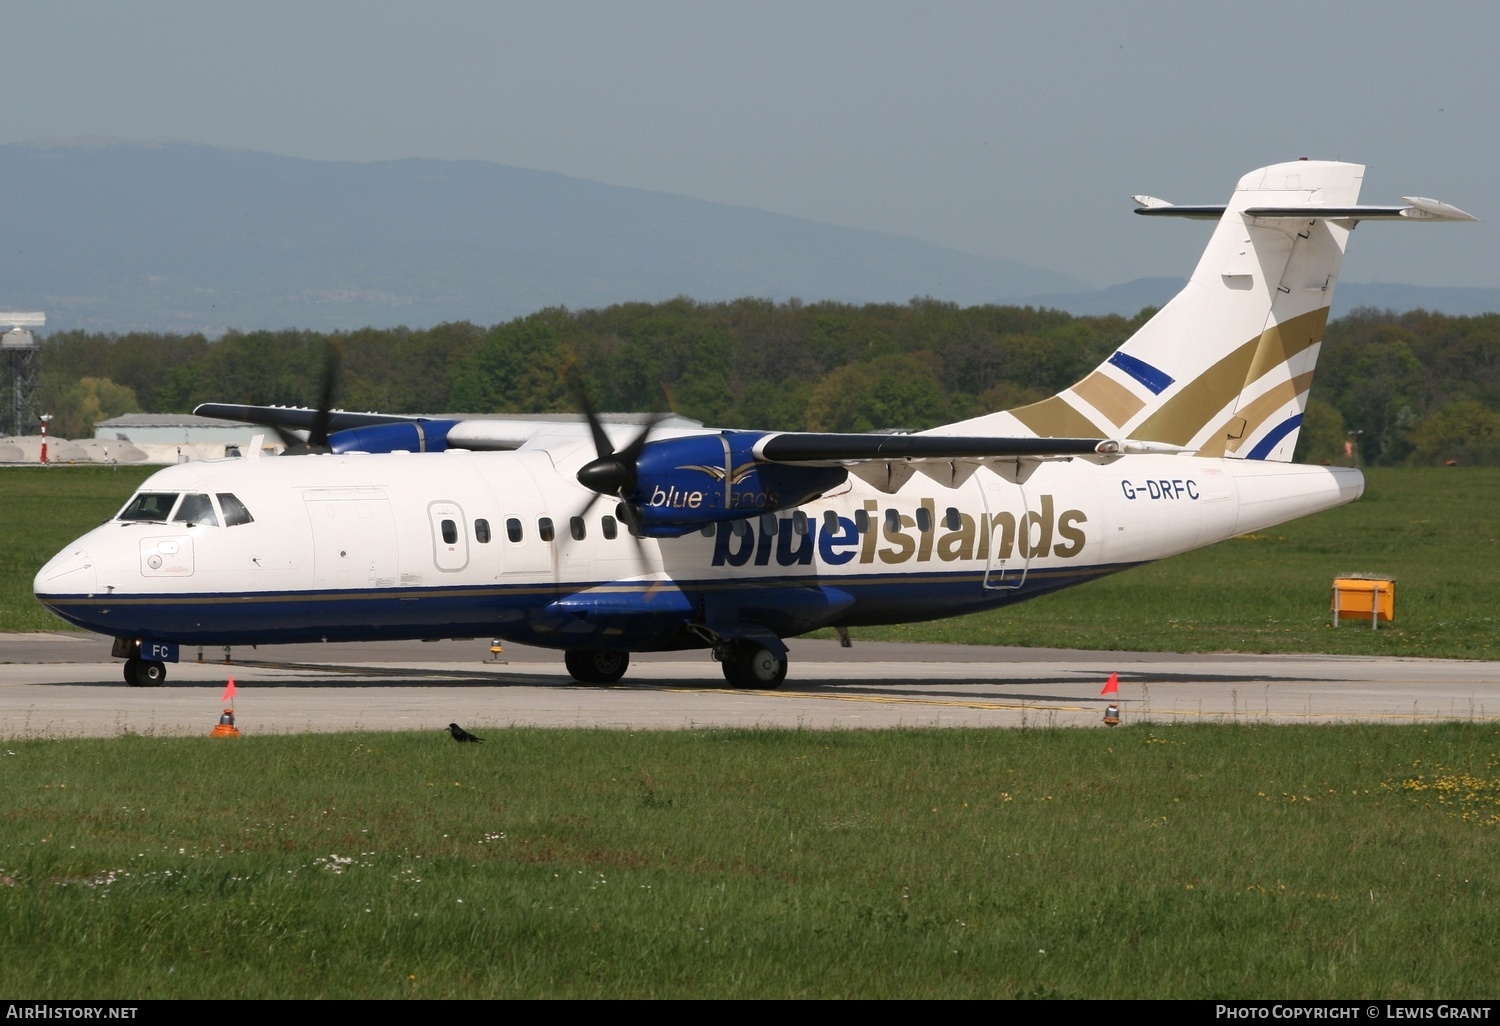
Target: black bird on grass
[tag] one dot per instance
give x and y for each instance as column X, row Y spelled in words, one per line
column 460, row 734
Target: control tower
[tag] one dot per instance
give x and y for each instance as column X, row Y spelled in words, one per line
column 22, row 357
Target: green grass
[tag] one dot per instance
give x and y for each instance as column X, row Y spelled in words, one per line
column 1149, row 861
column 1435, row 530
column 41, row 510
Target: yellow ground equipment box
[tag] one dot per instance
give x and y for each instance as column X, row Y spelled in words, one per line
column 1371, row 599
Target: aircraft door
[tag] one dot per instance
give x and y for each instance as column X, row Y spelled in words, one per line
column 354, row 538
column 450, row 536
column 1008, row 554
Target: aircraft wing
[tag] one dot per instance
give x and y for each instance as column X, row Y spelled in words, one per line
column 815, row 448
column 386, row 432
column 298, row 418
column 886, row 462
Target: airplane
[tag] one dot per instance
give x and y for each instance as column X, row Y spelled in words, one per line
column 400, row 527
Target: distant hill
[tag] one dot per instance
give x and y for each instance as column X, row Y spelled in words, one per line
column 182, row 237
column 1127, row 299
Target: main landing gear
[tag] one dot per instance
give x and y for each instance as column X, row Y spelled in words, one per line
column 596, row 667
column 752, row 666
column 747, row 664
column 144, row 673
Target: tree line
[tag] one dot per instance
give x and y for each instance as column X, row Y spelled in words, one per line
column 1399, row 388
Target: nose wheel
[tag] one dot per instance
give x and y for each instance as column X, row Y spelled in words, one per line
column 144, row 673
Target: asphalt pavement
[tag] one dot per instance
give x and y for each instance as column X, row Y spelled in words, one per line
column 63, row 684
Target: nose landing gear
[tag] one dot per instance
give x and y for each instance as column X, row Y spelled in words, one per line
column 144, row 673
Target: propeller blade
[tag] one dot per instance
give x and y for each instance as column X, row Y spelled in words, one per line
column 580, row 391
column 317, row 439
column 630, row 514
column 632, row 452
column 611, row 472
column 289, row 439
column 317, row 434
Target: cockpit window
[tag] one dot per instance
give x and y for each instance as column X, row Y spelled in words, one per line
column 196, row 511
column 154, row 506
column 235, row 512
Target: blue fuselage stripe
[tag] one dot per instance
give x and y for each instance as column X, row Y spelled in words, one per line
column 638, row 615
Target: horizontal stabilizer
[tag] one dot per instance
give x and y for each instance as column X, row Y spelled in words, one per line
column 1418, row 208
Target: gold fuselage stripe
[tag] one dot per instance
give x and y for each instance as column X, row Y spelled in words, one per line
column 1109, row 397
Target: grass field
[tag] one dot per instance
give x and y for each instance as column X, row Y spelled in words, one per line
column 1434, row 530
column 41, row 510
column 1150, row 861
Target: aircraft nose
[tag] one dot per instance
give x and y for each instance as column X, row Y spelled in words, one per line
column 70, row 572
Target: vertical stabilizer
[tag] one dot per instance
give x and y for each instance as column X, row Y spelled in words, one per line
column 1224, row 368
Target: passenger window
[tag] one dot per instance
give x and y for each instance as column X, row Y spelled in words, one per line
column 953, row 521
column 513, row 529
column 830, row 521
column 799, row 522
column 149, row 506
column 576, row 528
column 768, row 524
column 450, row 532
column 544, row 528
column 893, row 520
column 235, row 512
column 482, row 531
column 611, row 527
column 924, row 519
column 739, row 528
column 196, row 511
column 862, row 521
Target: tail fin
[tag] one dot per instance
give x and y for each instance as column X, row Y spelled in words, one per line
column 1224, row 368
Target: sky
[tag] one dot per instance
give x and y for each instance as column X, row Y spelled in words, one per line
column 1010, row 130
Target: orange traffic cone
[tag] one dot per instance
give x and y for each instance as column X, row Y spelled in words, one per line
column 226, row 727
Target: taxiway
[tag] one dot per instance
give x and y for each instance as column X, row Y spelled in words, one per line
column 61, row 684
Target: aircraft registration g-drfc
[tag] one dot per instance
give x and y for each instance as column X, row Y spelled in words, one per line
column 397, row 527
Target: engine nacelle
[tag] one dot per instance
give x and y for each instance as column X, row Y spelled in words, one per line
column 683, row 484
column 401, row 436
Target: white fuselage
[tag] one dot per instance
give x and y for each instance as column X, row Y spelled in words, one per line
column 454, row 545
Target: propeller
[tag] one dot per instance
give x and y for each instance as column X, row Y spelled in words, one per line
column 317, row 436
column 612, row 472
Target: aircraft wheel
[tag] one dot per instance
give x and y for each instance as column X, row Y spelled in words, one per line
column 592, row 667
column 146, row 673
column 754, row 666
